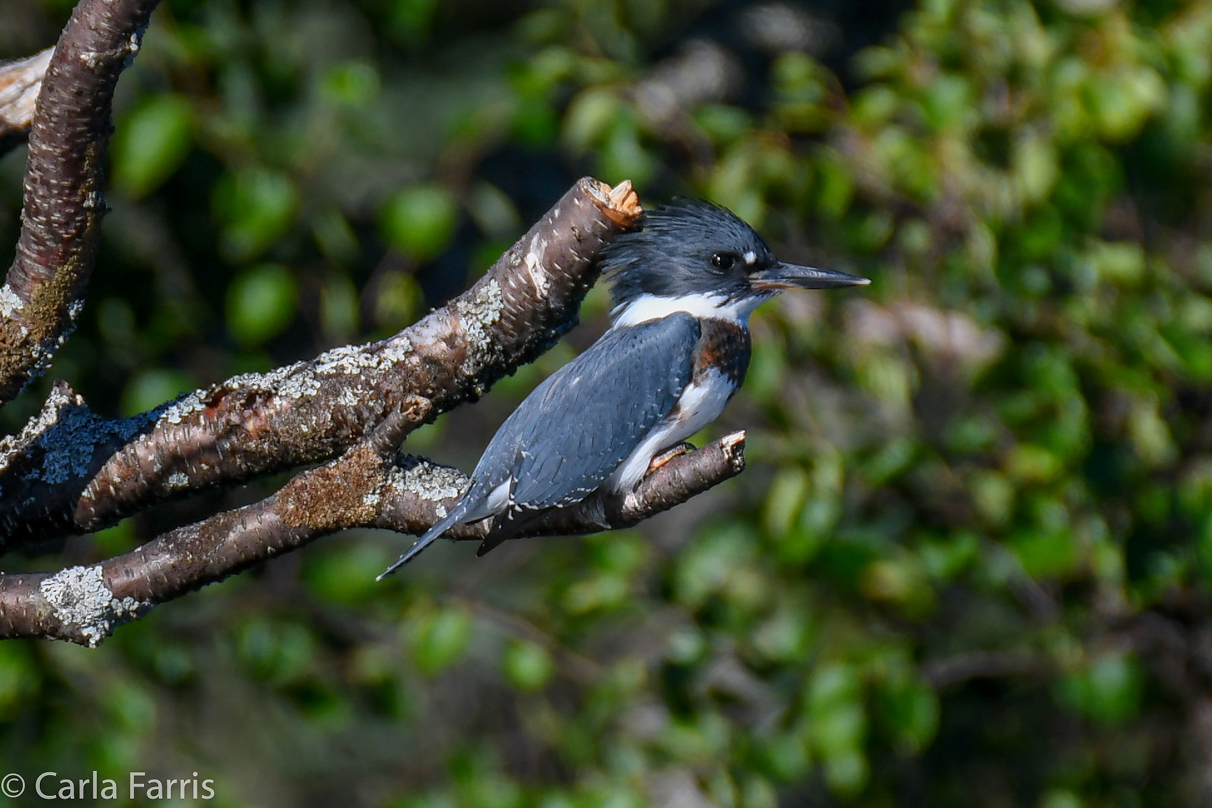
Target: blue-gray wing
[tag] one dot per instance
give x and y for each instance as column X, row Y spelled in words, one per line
column 580, row 424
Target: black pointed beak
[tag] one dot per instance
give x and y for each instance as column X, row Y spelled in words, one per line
column 794, row 276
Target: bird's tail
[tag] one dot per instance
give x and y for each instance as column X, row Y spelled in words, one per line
column 441, row 526
column 505, row 527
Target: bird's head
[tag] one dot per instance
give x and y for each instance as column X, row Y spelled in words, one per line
column 701, row 258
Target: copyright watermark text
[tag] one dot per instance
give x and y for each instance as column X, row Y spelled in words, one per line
column 136, row 786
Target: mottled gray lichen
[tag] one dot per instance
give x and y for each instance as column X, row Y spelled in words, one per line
column 263, row 382
column 347, row 360
column 65, row 430
column 395, row 349
column 351, row 360
column 79, row 598
column 70, row 451
column 430, row 481
column 12, row 445
column 299, row 385
column 44, row 352
column 174, row 411
column 10, row 304
column 477, row 315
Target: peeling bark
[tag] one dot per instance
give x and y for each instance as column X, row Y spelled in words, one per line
column 20, row 82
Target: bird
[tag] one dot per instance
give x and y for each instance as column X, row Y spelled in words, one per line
column 682, row 288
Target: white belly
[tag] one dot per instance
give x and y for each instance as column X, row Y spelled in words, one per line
column 699, row 405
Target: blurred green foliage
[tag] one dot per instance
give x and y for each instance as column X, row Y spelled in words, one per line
column 970, row 561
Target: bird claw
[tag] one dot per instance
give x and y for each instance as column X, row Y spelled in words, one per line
column 661, row 458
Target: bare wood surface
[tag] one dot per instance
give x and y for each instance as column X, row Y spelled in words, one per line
column 20, row 82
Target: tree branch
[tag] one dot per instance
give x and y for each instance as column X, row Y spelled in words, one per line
column 20, row 82
column 63, row 205
column 365, row 487
column 71, row 471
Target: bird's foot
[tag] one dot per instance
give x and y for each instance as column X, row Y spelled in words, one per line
column 661, row 458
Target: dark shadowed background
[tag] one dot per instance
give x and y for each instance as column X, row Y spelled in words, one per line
column 969, row 564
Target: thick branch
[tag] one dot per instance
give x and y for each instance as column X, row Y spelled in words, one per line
column 362, row 488
column 71, row 471
column 20, row 82
column 62, row 210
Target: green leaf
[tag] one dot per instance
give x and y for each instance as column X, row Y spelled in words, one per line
column 589, row 118
column 947, row 101
column 1036, row 167
column 834, row 701
column 18, row 677
column 261, row 302
column 353, row 83
column 258, row 206
column 281, row 653
column 527, row 666
column 150, row 144
column 1043, row 553
column 901, row 581
column 912, row 711
column 419, row 221
column 1060, row 799
column 348, row 576
column 1108, row 691
column 440, row 638
column 339, row 309
column 846, row 772
column 151, row 388
column 412, row 20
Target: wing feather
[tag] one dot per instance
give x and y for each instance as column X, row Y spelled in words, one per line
column 580, row 424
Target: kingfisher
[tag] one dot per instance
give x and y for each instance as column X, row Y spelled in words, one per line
column 682, row 288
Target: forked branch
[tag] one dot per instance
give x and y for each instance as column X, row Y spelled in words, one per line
column 72, row 471
column 365, row 487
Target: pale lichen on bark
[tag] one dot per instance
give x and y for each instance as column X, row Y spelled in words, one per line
column 70, row 470
column 477, row 316
column 310, row 412
column 63, row 203
column 82, row 602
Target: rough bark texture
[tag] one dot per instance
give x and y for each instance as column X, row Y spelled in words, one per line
column 71, row 471
column 365, row 487
column 63, row 205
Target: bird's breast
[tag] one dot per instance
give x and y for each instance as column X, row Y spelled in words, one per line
column 721, row 359
column 723, row 348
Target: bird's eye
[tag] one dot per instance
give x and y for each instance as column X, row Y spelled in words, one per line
column 723, row 260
